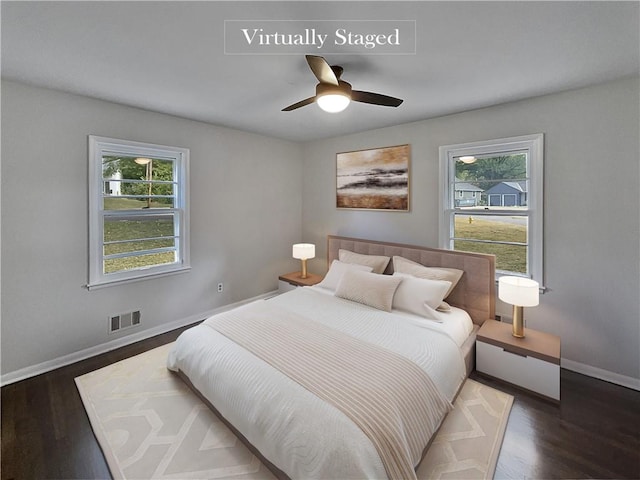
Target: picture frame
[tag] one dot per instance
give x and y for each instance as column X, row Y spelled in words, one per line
column 374, row 179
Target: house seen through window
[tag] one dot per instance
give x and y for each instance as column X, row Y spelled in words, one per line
column 491, row 202
column 138, row 210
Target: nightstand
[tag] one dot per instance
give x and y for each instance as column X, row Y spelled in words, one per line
column 532, row 362
column 292, row 280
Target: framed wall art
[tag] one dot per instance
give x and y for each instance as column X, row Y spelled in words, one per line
column 376, row 179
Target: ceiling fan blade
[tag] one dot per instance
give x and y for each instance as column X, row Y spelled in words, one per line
column 322, row 70
column 375, row 98
column 301, row 103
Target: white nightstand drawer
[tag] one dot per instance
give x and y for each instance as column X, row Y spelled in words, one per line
column 526, row 371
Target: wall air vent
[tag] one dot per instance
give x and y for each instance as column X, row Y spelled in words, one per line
column 124, row 321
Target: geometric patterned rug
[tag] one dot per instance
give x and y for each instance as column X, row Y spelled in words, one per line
column 468, row 443
column 150, row 424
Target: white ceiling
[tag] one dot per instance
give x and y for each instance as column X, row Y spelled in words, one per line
column 169, row 57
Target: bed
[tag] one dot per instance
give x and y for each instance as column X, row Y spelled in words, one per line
column 349, row 378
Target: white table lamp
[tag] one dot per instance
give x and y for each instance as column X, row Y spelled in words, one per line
column 519, row 292
column 304, row 251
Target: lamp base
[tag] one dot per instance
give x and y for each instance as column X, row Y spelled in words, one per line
column 304, row 268
column 518, row 322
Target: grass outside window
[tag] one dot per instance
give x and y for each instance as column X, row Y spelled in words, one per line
column 511, row 258
column 138, row 231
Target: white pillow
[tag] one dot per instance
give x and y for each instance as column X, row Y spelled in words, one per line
column 420, row 295
column 377, row 262
column 368, row 288
column 452, row 275
column 444, row 307
column 336, row 270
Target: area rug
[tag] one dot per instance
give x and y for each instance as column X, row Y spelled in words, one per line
column 150, row 425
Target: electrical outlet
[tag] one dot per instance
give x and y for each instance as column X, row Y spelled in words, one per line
column 220, row 287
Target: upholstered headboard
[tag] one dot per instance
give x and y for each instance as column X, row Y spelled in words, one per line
column 475, row 291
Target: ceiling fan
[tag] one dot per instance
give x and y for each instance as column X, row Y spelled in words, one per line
column 333, row 94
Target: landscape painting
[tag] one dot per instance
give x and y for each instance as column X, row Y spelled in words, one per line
column 376, row 179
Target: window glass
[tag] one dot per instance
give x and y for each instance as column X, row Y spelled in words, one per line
column 112, row 265
column 504, row 237
column 132, row 183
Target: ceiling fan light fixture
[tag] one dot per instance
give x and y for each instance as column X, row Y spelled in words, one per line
column 333, row 102
column 333, row 94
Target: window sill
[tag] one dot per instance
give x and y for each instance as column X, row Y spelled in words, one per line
column 124, row 281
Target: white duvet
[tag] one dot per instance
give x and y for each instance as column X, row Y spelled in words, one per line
column 295, row 430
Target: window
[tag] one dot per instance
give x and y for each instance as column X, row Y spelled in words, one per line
column 138, row 210
column 504, row 216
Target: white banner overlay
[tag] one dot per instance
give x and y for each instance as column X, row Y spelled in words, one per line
column 295, row 37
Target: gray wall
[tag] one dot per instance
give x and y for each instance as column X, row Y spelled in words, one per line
column 245, row 215
column 247, row 201
column 591, row 211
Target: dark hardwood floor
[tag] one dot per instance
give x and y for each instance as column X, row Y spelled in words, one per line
column 593, row 433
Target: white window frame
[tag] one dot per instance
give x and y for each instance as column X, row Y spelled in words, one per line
column 534, row 146
column 101, row 146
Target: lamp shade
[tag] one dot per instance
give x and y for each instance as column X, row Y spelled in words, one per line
column 304, row 251
column 519, row 291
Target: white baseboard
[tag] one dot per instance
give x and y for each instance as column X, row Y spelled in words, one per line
column 595, row 372
column 44, row 367
column 49, row 365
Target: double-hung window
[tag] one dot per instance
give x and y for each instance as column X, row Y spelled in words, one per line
column 138, row 210
column 491, row 202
